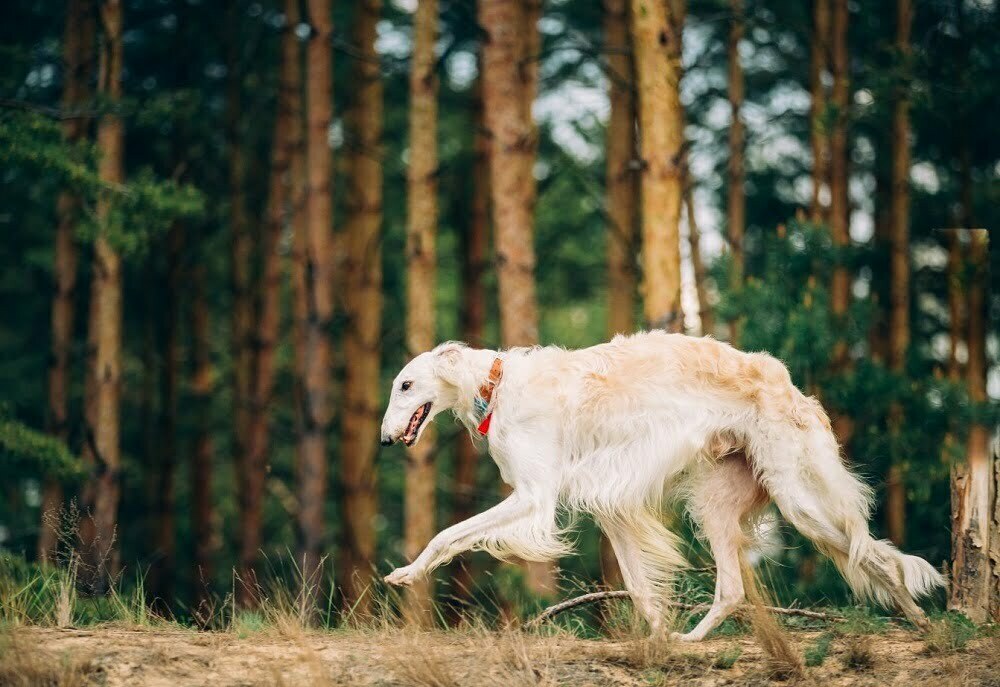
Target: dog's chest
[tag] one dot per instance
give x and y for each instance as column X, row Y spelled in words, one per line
column 499, row 451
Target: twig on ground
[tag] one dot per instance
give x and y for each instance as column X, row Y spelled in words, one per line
column 558, row 608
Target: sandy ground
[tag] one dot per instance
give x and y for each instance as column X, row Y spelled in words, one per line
column 115, row 657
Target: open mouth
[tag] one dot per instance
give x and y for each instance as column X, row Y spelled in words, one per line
column 416, row 421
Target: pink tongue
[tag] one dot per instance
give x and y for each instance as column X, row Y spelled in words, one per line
column 411, row 429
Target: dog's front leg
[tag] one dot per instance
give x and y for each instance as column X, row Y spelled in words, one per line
column 461, row 537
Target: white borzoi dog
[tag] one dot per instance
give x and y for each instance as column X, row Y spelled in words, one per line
column 611, row 429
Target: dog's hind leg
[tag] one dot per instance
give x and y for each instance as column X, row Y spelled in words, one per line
column 648, row 555
column 721, row 502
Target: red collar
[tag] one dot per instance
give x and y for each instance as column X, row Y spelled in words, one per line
column 485, row 400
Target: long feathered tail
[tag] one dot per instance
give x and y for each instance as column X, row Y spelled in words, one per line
column 801, row 467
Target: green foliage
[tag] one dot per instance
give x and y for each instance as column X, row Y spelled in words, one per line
column 23, row 449
column 817, row 652
column 727, row 658
column 860, row 620
column 950, row 632
column 141, row 208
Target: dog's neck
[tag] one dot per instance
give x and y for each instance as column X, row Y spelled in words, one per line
column 476, row 364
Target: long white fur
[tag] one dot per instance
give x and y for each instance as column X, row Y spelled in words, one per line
column 611, row 429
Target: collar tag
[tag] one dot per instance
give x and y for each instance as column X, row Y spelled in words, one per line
column 485, row 400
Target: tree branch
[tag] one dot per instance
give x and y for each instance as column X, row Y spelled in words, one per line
column 558, row 608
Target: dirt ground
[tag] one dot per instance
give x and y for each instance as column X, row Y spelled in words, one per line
column 115, row 657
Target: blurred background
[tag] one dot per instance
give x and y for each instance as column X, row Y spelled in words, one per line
column 227, row 225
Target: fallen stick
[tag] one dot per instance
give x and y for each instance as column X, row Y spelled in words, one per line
column 558, row 608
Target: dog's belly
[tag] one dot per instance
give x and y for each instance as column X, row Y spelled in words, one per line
column 620, row 460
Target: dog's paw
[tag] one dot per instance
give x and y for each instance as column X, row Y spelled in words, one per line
column 689, row 637
column 403, row 577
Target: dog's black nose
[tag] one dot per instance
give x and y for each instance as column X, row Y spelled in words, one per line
column 386, row 441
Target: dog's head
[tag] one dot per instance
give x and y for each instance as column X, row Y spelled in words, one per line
column 425, row 387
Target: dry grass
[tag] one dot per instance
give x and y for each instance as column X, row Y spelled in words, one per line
column 858, row 654
column 786, row 662
column 419, row 663
column 24, row 664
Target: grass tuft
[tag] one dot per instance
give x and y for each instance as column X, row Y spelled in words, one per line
column 25, row 664
column 727, row 658
column 817, row 652
column 858, row 654
column 949, row 633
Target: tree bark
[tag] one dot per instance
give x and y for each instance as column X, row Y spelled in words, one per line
column 818, row 132
column 956, row 296
column 161, row 572
column 506, row 92
column 78, row 63
column 363, row 300
column 529, row 63
column 736, row 199
column 249, row 485
column 973, row 487
column 621, row 192
column 540, row 576
column 620, row 172
column 510, row 165
column 317, row 309
column 264, row 326
column 102, row 450
column 422, row 218
column 475, row 248
column 899, row 333
column 656, row 35
column 203, row 447
column 241, row 244
column 840, row 209
column 878, row 334
column 694, row 241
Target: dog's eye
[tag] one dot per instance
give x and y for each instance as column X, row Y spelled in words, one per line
column 405, row 386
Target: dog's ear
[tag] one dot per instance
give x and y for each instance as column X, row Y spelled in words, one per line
column 448, row 360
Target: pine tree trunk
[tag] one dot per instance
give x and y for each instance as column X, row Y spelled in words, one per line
column 422, row 218
column 736, row 199
column 510, row 165
column 241, row 244
column 656, row 35
column 317, row 273
column 161, row 572
column 528, row 64
column 363, row 300
column 475, row 247
column 694, row 241
column 840, row 210
column 899, row 332
column 241, row 251
column 956, row 296
column 506, row 92
column 878, row 335
column 973, row 481
column 972, row 583
column 620, row 173
column 203, row 448
column 102, row 449
column 540, row 576
column 818, row 134
column 264, row 326
column 621, row 192
column 78, row 63
column 298, row 269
